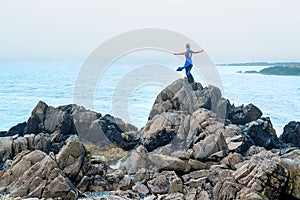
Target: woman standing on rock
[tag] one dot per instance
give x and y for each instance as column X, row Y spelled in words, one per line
column 188, row 62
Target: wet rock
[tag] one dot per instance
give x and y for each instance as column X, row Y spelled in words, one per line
column 263, row 134
column 244, row 114
column 123, row 134
column 291, row 133
column 19, row 129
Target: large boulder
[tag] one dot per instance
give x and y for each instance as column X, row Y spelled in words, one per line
column 291, row 133
column 162, row 129
column 48, row 119
column 243, row 114
column 163, row 162
column 72, row 158
column 263, row 134
column 138, row 159
column 186, row 98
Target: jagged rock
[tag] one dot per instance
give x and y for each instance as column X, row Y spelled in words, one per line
column 175, row 182
column 165, row 182
column 191, row 194
column 226, row 190
column 115, row 176
column 138, row 159
column 210, row 145
column 6, row 148
column 48, row 119
column 263, row 176
column 244, row 114
column 197, row 165
column 19, row 129
column 291, row 133
column 161, row 130
column 180, row 96
column 263, row 134
column 117, row 131
column 83, row 120
column 71, row 157
column 125, row 183
column 35, row 121
column 163, row 162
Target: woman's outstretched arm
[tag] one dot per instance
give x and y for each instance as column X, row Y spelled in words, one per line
column 198, row 51
column 181, row 53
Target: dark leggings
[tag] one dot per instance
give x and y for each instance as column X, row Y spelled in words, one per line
column 190, row 77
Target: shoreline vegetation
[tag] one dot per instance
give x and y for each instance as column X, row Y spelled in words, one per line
column 293, row 70
column 195, row 145
column 261, row 64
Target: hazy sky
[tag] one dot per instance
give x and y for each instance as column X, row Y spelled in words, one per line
column 229, row 30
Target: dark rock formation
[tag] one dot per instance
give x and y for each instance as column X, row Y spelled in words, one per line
column 291, row 133
column 243, row 114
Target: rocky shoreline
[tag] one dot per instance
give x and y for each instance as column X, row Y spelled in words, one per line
column 278, row 70
column 195, row 145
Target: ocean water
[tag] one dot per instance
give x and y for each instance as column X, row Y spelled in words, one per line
column 22, row 85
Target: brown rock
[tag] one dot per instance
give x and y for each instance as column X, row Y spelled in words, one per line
column 140, row 188
column 164, row 162
column 159, row 185
column 197, row 165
